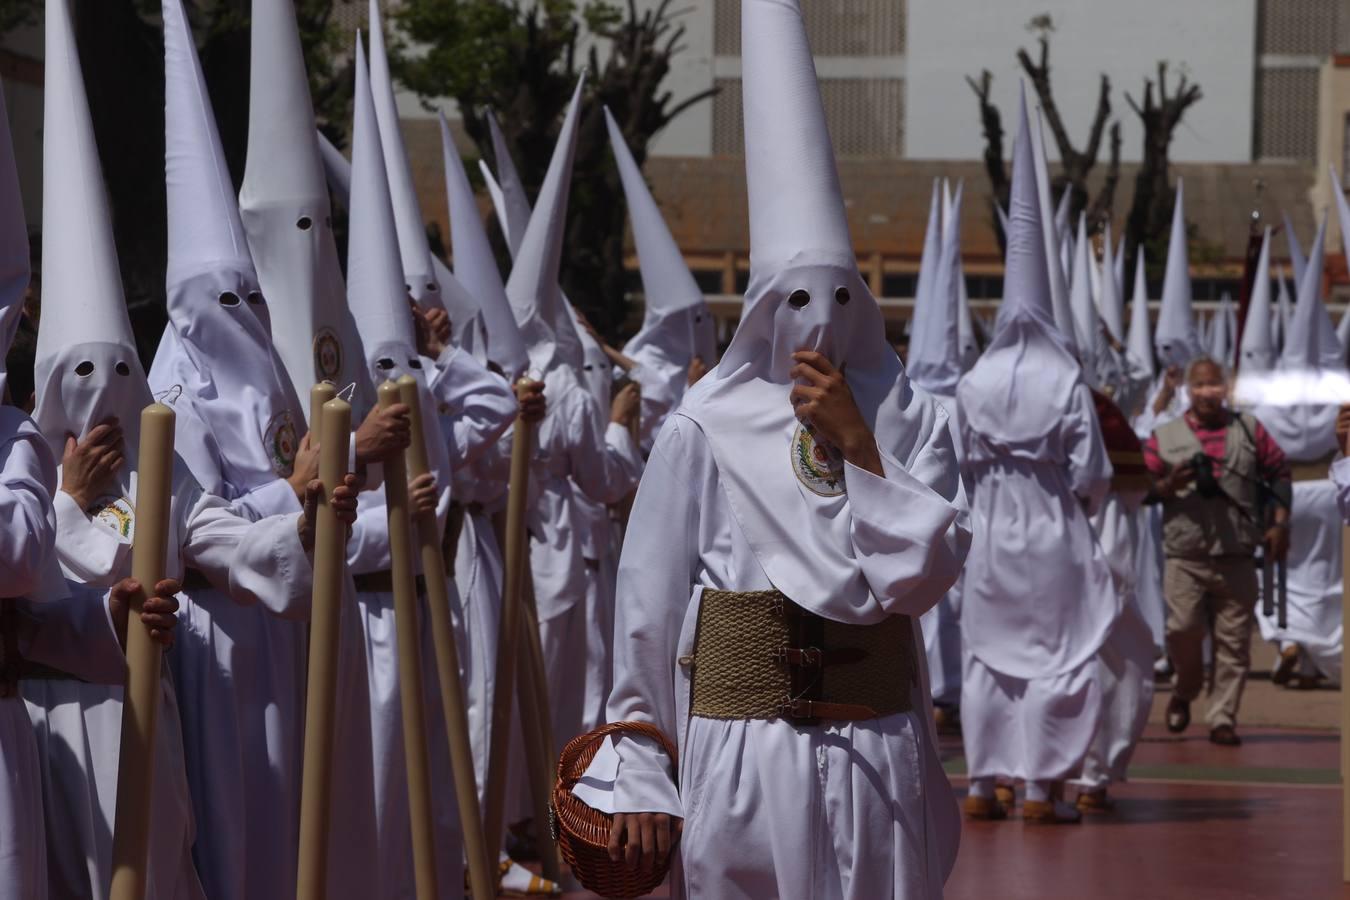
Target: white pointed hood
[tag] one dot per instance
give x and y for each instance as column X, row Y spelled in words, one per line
column 1342, row 212
column 805, row 292
column 1257, row 353
column 1176, row 338
column 676, row 322
column 1343, row 331
column 86, row 367
column 934, row 346
column 217, row 348
column 14, row 251
column 1110, row 303
column 1139, row 342
column 1220, row 337
column 1061, row 210
column 476, row 266
column 285, row 210
column 375, row 288
column 509, row 197
column 1119, row 268
column 463, row 307
column 418, row 273
column 1020, row 387
column 536, row 299
column 1051, row 236
column 1284, row 311
column 926, row 280
column 1297, row 258
column 1307, row 433
column 1087, row 327
column 968, row 343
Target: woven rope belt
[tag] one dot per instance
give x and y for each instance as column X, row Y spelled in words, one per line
column 758, row 655
column 1316, row 470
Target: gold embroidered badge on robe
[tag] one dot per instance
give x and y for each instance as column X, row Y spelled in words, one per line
column 281, row 442
column 117, row 513
column 327, row 354
column 818, row 465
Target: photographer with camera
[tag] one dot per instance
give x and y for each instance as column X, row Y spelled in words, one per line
column 1214, row 471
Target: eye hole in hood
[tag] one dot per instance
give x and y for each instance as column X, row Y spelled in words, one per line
column 798, row 299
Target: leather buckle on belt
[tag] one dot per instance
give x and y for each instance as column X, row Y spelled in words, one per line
column 801, row 711
column 815, row 658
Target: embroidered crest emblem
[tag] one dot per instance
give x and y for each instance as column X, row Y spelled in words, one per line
column 327, row 354
column 115, row 512
column 281, row 442
column 818, row 465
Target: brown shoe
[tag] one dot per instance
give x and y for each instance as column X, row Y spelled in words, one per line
column 1284, row 669
column 1095, row 801
column 985, row 809
column 1005, row 794
column 1043, row 812
column 1225, row 736
column 1178, row 715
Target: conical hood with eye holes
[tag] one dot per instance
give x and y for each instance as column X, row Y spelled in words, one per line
column 1139, row 341
column 375, row 288
column 86, row 368
column 1176, row 338
column 1022, row 385
column 788, row 491
column 476, row 265
column 217, row 348
column 1257, row 353
column 418, row 273
column 285, row 210
column 14, row 250
column 536, row 299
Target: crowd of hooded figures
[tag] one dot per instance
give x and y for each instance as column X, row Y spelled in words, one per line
column 829, row 551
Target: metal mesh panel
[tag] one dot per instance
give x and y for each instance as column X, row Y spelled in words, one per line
column 1287, row 123
column 835, row 27
column 728, row 126
column 1302, row 26
column 865, row 116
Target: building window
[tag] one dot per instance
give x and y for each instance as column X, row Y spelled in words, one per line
column 835, row 27
column 866, row 116
column 1286, row 118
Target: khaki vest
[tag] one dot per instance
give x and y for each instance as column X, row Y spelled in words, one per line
column 1196, row 526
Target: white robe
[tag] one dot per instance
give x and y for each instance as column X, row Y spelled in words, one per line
column 78, row 724
column 573, row 452
column 1125, row 663
column 942, row 623
column 1313, row 578
column 856, row 810
column 27, row 541
column 1038, row 601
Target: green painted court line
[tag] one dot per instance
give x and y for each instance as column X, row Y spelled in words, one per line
column 1226, row 774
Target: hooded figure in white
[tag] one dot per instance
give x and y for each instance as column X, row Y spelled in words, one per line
column 239, row 670
column 1039, row 602
column 1257, row 352
column 87, row 370
column 577, row 457
column 1221, row 332
column 845, row 809
column 677, row 325
column 27, row 543
column 1139, row 340
column 1307, row 435
column 969, row 340
column 1125, row 377
column 1175, row 339
column 285, row 209
column 378, row 298
column 936, row 364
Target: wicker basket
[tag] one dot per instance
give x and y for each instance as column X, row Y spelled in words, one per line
column 582, row 833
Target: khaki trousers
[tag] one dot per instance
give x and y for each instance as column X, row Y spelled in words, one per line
column 1221, row 589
